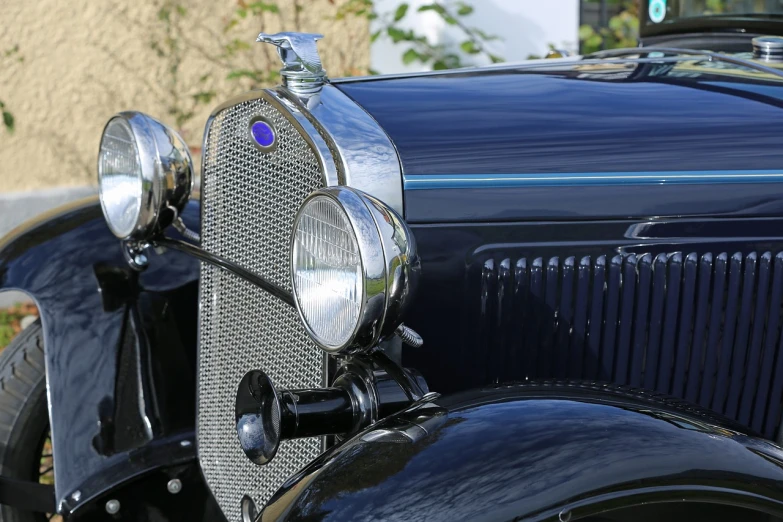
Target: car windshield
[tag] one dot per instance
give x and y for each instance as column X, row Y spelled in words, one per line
column 667, row 11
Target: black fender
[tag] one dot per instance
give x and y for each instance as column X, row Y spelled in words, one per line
column 534, row 452
column 120, row 348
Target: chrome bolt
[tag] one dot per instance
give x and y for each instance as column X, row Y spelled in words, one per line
column 174, row 486
column 184, row 443
column 133, row 252
column 113, row 506
column 76, row 496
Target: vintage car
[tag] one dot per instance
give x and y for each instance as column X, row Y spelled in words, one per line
column 542, row 291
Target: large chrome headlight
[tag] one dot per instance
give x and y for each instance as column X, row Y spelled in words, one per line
column 145, row 175
column 354, row 267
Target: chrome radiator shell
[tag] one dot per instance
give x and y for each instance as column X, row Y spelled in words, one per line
column 249, row 198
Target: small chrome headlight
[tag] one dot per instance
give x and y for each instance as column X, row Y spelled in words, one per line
column 145, row 175
column 354, row 267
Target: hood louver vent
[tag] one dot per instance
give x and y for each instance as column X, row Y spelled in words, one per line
column 702, row 328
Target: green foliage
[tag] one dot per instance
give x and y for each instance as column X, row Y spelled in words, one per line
column 7, row 334
column 8, row 118
column 719, row 6
column 13, row 53
column 10, row 321
column 356, row 8
column 204, row 96
column 238, row 58
column 551, row 50
column 418, row 48
column 170, row 42
column 623, row 30
column 256, row 8
column 400, row 13
column 168, row 46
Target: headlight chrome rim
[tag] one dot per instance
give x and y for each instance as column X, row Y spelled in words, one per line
column 166, row 175
column 389, row 261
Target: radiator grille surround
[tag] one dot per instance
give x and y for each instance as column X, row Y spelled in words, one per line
column 249, row 199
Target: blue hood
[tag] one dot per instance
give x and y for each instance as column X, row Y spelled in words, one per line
column 575, row 117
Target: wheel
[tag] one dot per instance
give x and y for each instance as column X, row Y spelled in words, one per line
column 25, row 448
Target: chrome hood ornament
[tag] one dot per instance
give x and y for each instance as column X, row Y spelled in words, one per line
column 302, row 71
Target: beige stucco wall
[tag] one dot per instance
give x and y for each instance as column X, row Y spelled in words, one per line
column 84, row 60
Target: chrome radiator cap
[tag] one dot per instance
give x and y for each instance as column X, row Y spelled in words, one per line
column 768, row 48
column 302, row 71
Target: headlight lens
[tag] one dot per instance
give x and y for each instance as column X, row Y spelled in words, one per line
column 144, row 175
column 119, row 177
column 354, row 268
column 327, row 272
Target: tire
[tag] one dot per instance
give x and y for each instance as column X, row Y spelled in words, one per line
column 24, row 416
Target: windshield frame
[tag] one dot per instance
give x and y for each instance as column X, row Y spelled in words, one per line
column 756, row 24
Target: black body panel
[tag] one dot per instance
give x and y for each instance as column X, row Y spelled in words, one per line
column 120, row 348
column 147, row 499
column 533, row 452
column 688, row 307
column 515, row 176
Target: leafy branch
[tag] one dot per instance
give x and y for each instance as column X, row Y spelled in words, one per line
column 169, row 38
column 252, row 66
column 8, row 117
column 622, row 31
column 237, row 56
column 419, row 48
column 168, row 47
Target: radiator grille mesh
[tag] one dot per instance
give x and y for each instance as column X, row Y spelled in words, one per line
column 249, row 199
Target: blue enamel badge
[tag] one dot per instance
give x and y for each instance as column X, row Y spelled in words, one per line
column 263, row 134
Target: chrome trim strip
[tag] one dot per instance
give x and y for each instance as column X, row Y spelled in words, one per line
column 239, row 271
column 457, row 181
column 367, row 155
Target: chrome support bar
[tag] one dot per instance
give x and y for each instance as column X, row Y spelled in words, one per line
column 219, row 262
